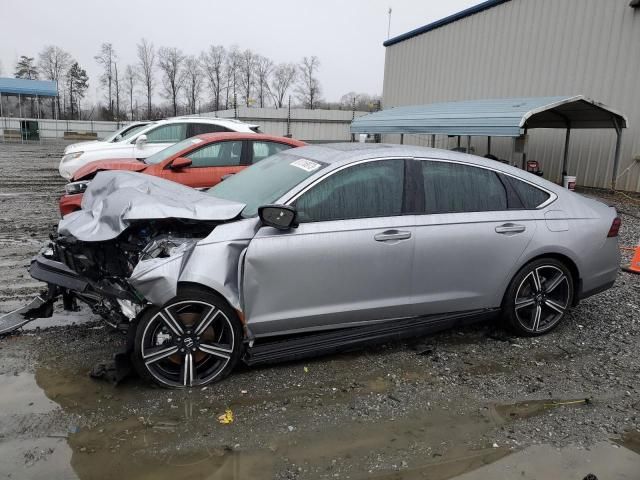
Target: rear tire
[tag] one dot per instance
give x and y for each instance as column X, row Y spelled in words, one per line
column 538, row 297
column 193, row 340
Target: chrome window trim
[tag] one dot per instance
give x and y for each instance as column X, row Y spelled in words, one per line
column 552, row 196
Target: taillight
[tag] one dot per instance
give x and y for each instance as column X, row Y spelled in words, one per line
column 615, row 227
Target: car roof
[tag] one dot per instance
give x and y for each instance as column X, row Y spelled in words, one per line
column 338, row 154
column 213, row 120
column 220, row 136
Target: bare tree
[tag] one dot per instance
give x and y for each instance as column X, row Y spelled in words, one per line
column 146, row 64
column 213, row 67
column 116, row 89
column 283, row 77
column 53, row 63
column 232, row 65
column 359, row 101
column 247, row 69
column 193, row 76
column 308, row 89
column 263, row 69
column 170, row 62
column 107, row 58
column 130, row 78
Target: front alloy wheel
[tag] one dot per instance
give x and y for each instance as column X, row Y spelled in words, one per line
column 539, row 297
column 191, row 341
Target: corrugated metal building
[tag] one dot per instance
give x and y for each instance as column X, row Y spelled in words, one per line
column 513, row 48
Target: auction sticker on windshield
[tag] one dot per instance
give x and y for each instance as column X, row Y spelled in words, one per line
column 306, row 165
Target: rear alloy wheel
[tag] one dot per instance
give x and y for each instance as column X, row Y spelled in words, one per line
column 193, row 340
column 538, row 297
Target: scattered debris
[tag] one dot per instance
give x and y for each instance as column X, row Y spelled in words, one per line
column 226, row 418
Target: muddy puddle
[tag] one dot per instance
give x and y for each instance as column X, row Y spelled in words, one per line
column 61, row 424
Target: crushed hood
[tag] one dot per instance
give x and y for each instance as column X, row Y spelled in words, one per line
column 91, row 168
column 115, row 199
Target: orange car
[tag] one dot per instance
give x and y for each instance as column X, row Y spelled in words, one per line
column 199, row 162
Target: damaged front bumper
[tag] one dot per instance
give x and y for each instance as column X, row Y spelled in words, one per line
column 113, row 303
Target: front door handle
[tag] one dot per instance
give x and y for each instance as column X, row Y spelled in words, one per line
column 391, row 235
column 510, row 228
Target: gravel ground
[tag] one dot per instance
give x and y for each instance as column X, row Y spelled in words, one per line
column 436, row 407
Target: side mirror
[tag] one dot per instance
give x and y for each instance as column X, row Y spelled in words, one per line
column 282, row 217
column 141, row 141
column 179, row 163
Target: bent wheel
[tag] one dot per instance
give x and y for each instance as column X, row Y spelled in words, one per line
column 193, row 340
column 538, row 297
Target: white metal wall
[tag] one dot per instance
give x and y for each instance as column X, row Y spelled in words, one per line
column 533, row 48
column 307, row 125
column 54, row 129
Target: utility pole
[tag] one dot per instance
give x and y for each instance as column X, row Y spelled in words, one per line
column 389, row 25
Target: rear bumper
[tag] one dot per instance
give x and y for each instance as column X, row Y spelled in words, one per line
column 596, row 290
column 70, row 203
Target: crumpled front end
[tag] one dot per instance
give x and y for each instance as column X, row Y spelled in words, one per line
column 214, row 262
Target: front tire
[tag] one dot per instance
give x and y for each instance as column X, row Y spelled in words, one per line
column 193, row 340
column 538, row 297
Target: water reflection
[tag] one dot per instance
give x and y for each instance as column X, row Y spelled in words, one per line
column 135, row 432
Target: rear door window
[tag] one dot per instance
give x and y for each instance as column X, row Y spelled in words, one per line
column 453, row 187
column 172, row 133
column 262, row 150
column 200, row 128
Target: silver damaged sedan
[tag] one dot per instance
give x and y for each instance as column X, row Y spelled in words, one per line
column 322, row 248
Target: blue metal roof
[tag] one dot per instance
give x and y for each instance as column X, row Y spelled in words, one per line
column 502, row 117
column 19, row 86
column 445, row 21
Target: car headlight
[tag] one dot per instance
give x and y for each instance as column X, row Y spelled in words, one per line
column 166, row 246
column 76, row 187
column 71, row 156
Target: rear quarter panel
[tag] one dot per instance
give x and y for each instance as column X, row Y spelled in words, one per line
column 576, row 227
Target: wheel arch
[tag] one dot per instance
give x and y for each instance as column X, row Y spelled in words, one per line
column 566, row 261
column 217, row 293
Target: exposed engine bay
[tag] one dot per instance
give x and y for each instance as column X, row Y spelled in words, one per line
column 97, row 272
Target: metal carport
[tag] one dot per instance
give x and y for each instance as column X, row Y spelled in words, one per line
column 503, row 117
column 27, row 88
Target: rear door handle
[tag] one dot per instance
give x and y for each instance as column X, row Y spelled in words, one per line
column 510, row 228
column 391, row 235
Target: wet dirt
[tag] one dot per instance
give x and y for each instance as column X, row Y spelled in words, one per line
column 470, row 403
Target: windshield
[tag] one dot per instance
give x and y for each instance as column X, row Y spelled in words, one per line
column 118, row 134
column 266, row 181
column 134, row 131
column 162, row 155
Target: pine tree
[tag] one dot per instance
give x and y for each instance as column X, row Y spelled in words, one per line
column 77, row 84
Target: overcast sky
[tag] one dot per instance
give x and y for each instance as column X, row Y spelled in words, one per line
column 346, row 35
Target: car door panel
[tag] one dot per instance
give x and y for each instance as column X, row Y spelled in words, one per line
column 148, row 149
column 328, row 274
column 463, row 263
column 199, row 177
column 468, row 241
column 209, row 164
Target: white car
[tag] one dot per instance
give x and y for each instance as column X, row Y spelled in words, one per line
column 144, row 142
column 118, row 135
